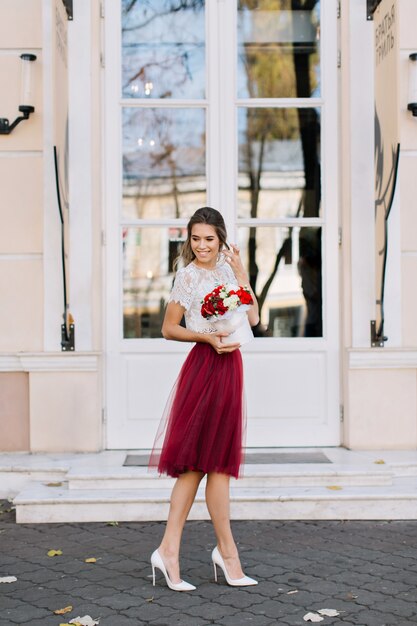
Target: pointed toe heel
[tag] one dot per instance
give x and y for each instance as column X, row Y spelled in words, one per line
column 157, row 563
column 217, row 559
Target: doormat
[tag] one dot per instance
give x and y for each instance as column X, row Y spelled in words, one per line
column 251, row 458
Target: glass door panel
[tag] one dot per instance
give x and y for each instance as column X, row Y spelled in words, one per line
column 279, row 162
column 148, row 268
column 163, row 49
column 278, row 49
column 164, row 162
column 284, row 265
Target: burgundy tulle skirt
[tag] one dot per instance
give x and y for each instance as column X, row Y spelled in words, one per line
column 204, row 422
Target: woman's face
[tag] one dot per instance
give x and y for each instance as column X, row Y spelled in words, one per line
column 205, row 244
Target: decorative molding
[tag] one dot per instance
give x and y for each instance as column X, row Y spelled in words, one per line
column 49, row 362
column 382, row 358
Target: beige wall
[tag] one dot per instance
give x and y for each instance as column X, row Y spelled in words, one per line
column 40, row 409
column 381, row 400
column 14, row 411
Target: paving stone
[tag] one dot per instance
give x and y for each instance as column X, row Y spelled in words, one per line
column 248, row 619
column 329, row 563
column 24, row 613
column 180, row 619
column 211, row 610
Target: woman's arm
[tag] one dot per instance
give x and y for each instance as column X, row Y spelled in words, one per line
column 171, row 329
column 233, row 258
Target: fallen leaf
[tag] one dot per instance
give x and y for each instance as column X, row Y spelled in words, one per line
column 313, row 617
column 328, row 612
column 87, row 620
column 54, row 552
column 351, row 596
column 67, row 609
column 8, row 510
column 379, row 462
column 112, row 523
column 149, row 599
column 334, row 487
column 90, row 560
column 54, row 484
column 289, row 593
column 8, row 579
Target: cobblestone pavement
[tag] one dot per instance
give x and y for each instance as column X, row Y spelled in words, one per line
column 365, row 570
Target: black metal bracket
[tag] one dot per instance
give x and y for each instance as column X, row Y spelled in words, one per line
column 376, row 340
column 5, row 126
column 371, row 6
column 68, row 339
column 68, row 8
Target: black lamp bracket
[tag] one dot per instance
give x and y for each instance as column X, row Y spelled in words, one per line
column 371, row 7
column 5, row 126
column 412, row 106
column 377, row 340
column 67, row 338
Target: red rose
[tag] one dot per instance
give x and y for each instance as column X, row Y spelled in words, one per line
column 207, row 310
column 221, row 308
column 244, row 296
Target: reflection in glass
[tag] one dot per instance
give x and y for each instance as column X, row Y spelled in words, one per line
column 278, row 48
column 163, row 48
column 164, row 163
column 279, row 163
column 148, row 255
column 284, row 266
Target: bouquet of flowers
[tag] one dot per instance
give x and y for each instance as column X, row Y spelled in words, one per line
column 226, row 306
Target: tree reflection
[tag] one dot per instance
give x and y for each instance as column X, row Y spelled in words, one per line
column 293, row 71
column 163, row 44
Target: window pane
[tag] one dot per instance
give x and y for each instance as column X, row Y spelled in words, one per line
column 278, row 48
column 163, row 49
column 164, row 162
column 284, row 265
column 279, row 163
column 148, row 255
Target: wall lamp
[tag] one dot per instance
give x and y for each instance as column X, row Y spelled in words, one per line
column 412, row 85
column 26, row 108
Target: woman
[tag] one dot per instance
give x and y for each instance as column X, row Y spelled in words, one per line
column 204, row 425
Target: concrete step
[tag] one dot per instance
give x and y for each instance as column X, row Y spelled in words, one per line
column 39, row 503
column 14, row 478
column 283, row 475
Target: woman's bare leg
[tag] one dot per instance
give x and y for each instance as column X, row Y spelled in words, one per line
column 218, row 504
column 182, row 498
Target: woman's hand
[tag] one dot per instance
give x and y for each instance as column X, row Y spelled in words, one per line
column 215, row 340
column 233, row 258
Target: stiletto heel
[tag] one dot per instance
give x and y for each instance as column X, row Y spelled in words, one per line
column 153, row 575
column 215, row 572
column 217, row 559
column 157, row 562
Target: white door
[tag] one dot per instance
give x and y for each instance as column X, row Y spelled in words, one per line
column 230, row 104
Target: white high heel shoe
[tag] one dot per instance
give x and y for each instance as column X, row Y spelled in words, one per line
column 157, row 562
column 217, row 559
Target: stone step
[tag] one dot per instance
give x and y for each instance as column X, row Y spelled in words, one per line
column 283, row 475
column 41, row 504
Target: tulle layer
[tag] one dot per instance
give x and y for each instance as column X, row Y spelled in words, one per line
column 203, row 424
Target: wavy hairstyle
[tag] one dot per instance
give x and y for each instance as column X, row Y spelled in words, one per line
column 205, row 215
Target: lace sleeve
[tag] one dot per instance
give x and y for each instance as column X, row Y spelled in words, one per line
column 183, row 289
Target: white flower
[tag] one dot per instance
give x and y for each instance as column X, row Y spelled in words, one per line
column 231, row 302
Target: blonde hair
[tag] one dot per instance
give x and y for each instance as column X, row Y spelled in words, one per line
column 205, row 215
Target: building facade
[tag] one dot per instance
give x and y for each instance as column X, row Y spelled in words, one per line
column 287, row 116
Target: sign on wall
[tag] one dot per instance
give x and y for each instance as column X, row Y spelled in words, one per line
column 386, row 143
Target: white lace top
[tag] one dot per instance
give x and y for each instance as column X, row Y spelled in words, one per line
column 191, row 284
